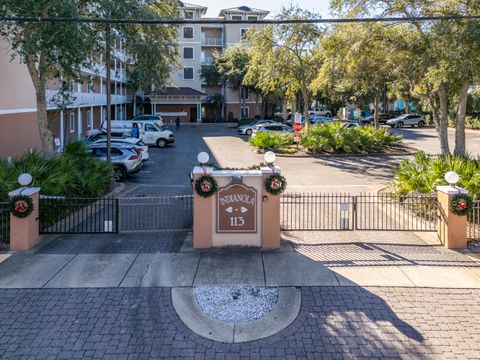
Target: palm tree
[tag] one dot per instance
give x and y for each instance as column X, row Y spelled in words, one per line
column 217, row 100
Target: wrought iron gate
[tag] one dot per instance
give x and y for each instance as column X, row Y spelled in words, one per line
column 4, row 221
column 379, row 212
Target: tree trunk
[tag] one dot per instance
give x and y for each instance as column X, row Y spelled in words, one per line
column 306, row 105
column 460, row 126
column 407, row 104
column 443, row 119
column 375, row 117
column 45, row 133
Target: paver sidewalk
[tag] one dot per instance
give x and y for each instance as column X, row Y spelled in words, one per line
column 401, row 260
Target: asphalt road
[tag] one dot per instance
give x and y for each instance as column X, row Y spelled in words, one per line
column 168, row 169
column 426, row 139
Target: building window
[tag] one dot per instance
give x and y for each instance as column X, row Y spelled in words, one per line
column 237, row 18
column 188, row 73
column 243, row 32
column 188, row 52
column 188, row 15
column 72, row 86
column 244, row 93
column 252, row 18
column 89, row 120
column 245, row 113
column 188, row 32
column 72, row 122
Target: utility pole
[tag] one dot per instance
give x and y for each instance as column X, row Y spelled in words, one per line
column 109, row 93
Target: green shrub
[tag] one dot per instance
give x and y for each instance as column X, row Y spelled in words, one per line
column 271, row 140
column 337, row 138
column 74, row 173
column 424, row 173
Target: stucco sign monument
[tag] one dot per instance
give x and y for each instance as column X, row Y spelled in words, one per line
column 236, row 209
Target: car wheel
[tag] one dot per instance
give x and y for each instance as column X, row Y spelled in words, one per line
column 248, row 132
column 119, row 173
column 400, row 124
column 421, row 124
column 161, row 143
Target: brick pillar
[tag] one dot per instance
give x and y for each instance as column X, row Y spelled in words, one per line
column 452, row 229
column 202, row 214
column 24, row 232
column 270, row 214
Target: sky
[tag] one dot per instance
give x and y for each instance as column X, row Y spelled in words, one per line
column 214, row 6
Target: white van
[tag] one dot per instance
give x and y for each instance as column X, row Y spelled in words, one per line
column 151, row 132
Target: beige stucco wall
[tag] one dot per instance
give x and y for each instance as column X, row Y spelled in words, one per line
column 16, row 87
column 18, row 134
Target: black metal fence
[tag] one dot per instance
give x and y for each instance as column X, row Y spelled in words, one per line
column 474, row 222
column 383, row 212
column 4, row 222
column 148, row 214
column 60, row 215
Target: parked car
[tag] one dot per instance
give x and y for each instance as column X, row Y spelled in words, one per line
column 320, row 112
column 382, row 119
column 155, row 118
column 318, row 120
column 125, row 159
column 407, row 120
column 247, row 129
column 280, row 128
column 136, row 143
column 151, row 132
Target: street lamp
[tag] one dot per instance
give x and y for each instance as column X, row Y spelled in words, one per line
column 270, row 157
column 203, row 158
column 25, row 179
column 452, row 178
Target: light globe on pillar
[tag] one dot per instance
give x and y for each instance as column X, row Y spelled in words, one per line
column 452, row 178
column 203, row 158
column 270, row 157
column 25, row 179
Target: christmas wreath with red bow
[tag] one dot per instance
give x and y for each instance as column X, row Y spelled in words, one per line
column 21, row 206
column 275, row 184
column 461, row 204
column 206, row 186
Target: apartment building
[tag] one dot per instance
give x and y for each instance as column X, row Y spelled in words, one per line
column 85, row 110
column 187, row 97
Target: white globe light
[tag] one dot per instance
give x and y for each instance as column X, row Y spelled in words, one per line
column 270, row 157
column 25, row 179
column 452, row 177
column 203, row 158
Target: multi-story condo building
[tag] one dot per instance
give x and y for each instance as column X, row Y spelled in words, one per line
column 71, row 120
column 186, row 98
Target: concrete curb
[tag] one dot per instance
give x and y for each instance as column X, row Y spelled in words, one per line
column 283, row 314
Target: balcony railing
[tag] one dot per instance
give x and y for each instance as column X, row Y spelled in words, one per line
column 100, row 70
column 79, row 99
column 212, row 41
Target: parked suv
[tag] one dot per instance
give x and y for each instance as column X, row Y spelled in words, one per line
column 407, row 120
column 125, row 158
column 156, row 118
column 382, row 119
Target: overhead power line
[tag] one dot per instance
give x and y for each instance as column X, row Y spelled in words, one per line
column 32, row 19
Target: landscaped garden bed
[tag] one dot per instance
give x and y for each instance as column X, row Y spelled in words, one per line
column 334, row 138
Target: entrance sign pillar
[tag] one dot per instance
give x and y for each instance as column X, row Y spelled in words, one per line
column 271, row 213
column 24, row 234
column 202, row 219
column 452, row 228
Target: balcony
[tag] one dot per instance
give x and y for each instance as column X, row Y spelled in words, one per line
column 100, row 70
column 85, row 99
column 212, row 42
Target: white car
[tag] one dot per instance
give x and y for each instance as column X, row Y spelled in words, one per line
column 319, row 112
column 407, row 120
column 280, row 128
column 138, row 144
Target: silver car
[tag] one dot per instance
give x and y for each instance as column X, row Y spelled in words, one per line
column 248, row 128
column 407, row 120
column 280, row 128
column 125, row 159
column 136, row 143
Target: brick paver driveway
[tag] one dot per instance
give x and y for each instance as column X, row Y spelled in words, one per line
column 334, row 322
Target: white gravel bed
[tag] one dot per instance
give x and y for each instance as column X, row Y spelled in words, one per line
column 236, row 304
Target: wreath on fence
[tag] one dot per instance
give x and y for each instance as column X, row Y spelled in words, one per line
column 21, row 206
column 275, row 184
column 206, row 186
column 461, row 204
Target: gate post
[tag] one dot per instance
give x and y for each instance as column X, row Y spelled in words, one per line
column 270, row 213
column 452, row 229
column 202, row 214
column 24, row 233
